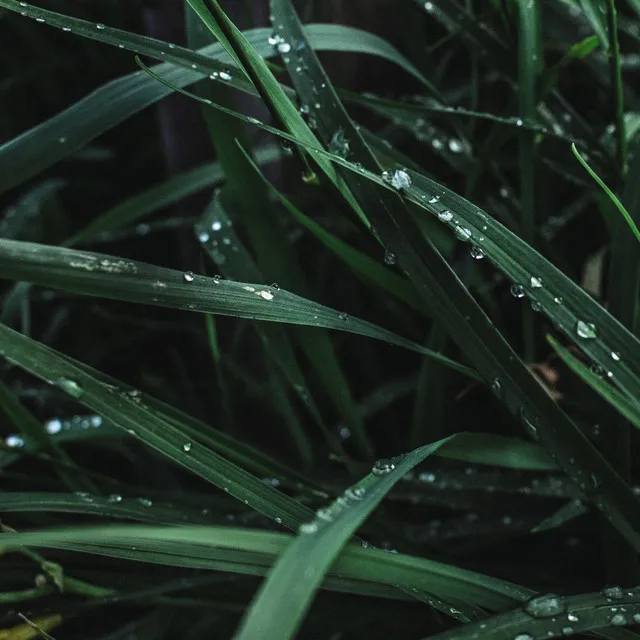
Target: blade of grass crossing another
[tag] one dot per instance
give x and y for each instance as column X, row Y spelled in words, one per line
column 279, row 607
column 468, row 324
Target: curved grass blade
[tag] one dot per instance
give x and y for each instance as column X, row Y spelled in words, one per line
column 612, row 196
column 252, row 552
column 112, row 506
column 121, row 279
column 128, row 411
column 613, row 607
column 279, row 607
column 566, row 513
column 163, row 195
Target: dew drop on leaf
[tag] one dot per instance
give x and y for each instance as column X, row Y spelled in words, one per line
column 546, row 606
column 70, row 386
column 586, row 330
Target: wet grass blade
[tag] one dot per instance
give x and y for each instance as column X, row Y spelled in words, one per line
column 575, row 614
column 279, row 607
column 163, row 195
column 612, row 196
column 128, row 411
column 121, row 279
column 253, row 552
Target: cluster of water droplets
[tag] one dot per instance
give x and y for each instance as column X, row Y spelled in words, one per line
column 329, row 514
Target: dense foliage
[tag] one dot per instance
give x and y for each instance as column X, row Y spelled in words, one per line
column 321, row 331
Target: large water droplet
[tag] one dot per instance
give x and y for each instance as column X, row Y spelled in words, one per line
column 114, row 498
column 523, row 636
column 225, row 75
column 445, row 216
column 517, row 291
column 586, row 330
column 477, row 253
column 100, row 26
column 618, row 620
column 186, row 447
column 70, row 386
column 398, row 179
column 615, row 356
column 546, row 606
column 389, row 257
column 455, row 146
column 53, row 426
column 189, row 276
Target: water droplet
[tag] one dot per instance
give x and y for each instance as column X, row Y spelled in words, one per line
column 383, row 467
column 325, row 514
column 476, row 253
column 66, row 29
column 283, row 47
column 41, row 20
column 496, row 385
column 445, row 216
column 203, row 236
column 434, row 199
column 389, row 257
column 535, row 282
column 145, row 502
column 216, row 279
column 586, row 330
column 70, row 386
column 95, row 421
column 462, row 233
column 114, row 498
column 186, row 447
column 615, row 356
column 546, row 606
column 455, row 146
column 517, row 291
column 398, row 179
column 53, row 426
column 216, row 225
column 613, row 593
column 618, row 620
column 189, row 276
column 225, row 75
column 428, row 7
column 266, row 295
column 523, row 636
column 343, row 316
column 636, row 618
column 100, row 26
column 519, row 122
column 308, row 528
column 572, row 617
column 15, row 442
column 567, row 631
